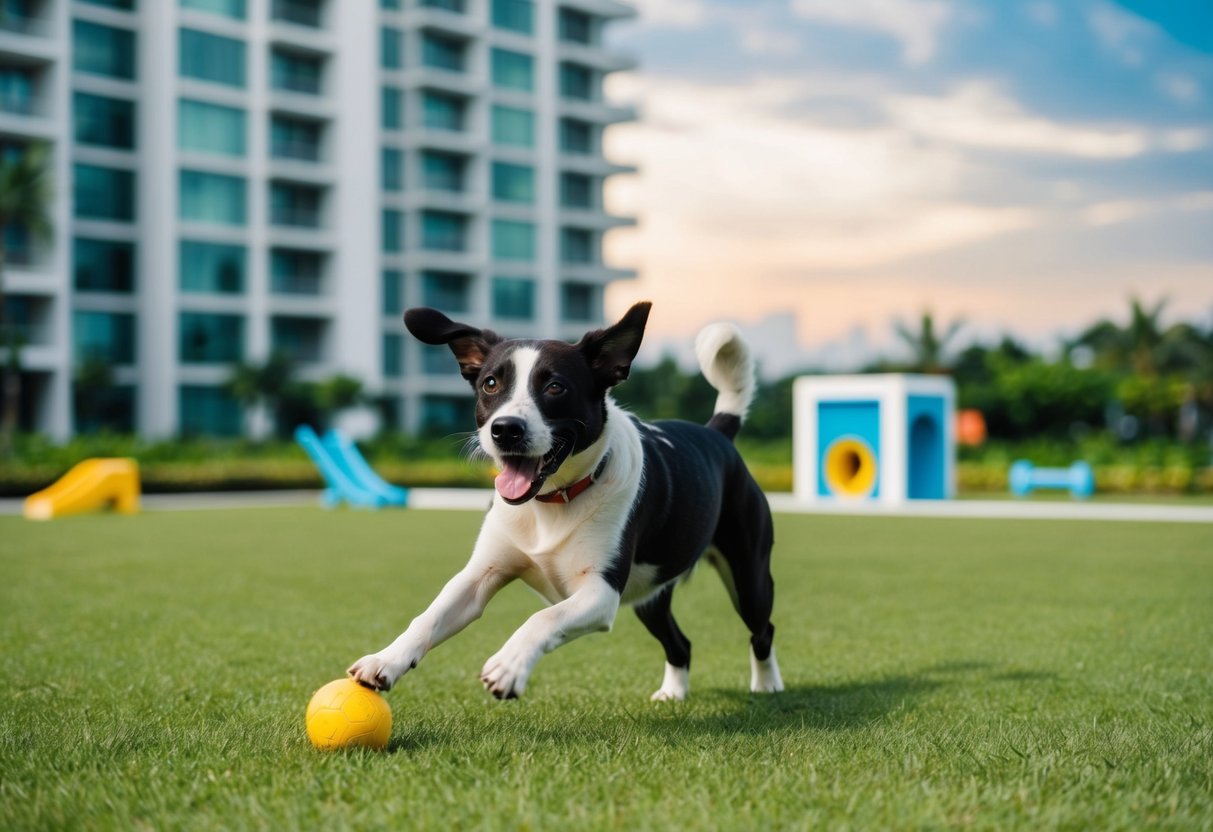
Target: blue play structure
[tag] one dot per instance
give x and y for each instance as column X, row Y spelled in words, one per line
column 350, row 479
column 1078, row 479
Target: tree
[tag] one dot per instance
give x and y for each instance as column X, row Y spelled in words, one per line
column 266, row 384
column 926, row 345
column 25, row 198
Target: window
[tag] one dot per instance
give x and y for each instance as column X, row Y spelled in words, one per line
column 207, row 57
column 578, row 245
column 212, row 198
column 442, row 415
column 577, row 81
column 121, row 5
column 576, row 136
column 393, row 355
column 17, row 91
column 103, row 50
column 390, row 48
column 513, row 240
column 103, row 121
column 300, row 139
column 211, row 128
column 103, row 265
column 391, row 169
column 448, row 291
column 392, row 223
column 513, row 70
column 296, row 72
column 443, row 231
column 211, row 268
column 441, row 111
column 442, row 171
column 209, row 338
column 104, row 193
column 393, row 291
column 575, row 27
column 208, row 411
column 448, row 5
column 514, row 297
column 577, row 190
column 389, row 4
column 234, row 9
column 513, row 126
column 443, row 51
column 296, row 271
column 515, row 15
column 391, row 108
column 19, row 248
column 110, row 408
column 436, row 361
column 300, row 12
column 103, row 336
column 297, row 206
column 581, row 302
column 513, row 183
column 300, row 338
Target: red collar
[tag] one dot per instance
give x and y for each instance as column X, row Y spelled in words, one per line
column 572, row 492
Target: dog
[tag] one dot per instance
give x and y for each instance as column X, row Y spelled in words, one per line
column 595, row 508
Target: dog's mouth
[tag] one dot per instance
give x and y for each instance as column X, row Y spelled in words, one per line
column 521, row 477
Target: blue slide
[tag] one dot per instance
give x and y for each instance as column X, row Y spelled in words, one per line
column 350, row 479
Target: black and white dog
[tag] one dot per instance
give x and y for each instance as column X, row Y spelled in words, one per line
column 594, row 507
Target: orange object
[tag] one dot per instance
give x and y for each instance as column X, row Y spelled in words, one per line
column 88, row 486
column 344, row 714
column 970, row 427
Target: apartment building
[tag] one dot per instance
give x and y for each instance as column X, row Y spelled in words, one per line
column 236, row 178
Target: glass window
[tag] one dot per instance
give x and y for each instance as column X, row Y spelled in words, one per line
column 393, row 355
column 121, row 5
column 234, row 9
column 581, row 302
column 296, row 72
column 393, row 291
column 443, row 51
column 393, row 230
column 211, row 128
column 302, row 12
column 110, row 408
column 213, row 198
column 390, row 48
column 513, row 70
column 575, row 26
column 443, row 231
column 103, row 336
column 104, row 193
column 514, row 297
column 207, row 57
column 448, row 291
column 299, row 139
column 577, row 190
column 297, row 271
column 513, row 240
column 513, row 126
column 448, row 5
column 578, row 245
column 515, row 15
column 300, row 338
column 103, row 50
column 389, row 4
column 211, row 268
column 577, row 81
column 391, row 169
column 103, row 121
column 436, row 360
column 17, row 91
column 513, row 183
column 391, row 108
column 298, row 206
column 442, row 171
column 103, row 265
column 441, row 111
column 208, row 411
column 576, row 136
column 442, row 415
column 210, row 338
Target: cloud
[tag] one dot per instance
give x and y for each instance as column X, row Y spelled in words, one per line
column 916, row 24
column 672, row 14
column 762, row 40
column 1119, row 211
column 1181, row 89
column 1120, row 32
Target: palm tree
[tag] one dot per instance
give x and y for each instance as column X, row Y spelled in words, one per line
column 926, row 345
column 262, row 384
column 25, row 197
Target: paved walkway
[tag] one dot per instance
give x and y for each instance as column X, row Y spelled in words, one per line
column 477, row 499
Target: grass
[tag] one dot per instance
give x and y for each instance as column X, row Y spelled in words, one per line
column 941, row 673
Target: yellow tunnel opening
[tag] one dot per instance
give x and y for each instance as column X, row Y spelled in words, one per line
column 850, row 468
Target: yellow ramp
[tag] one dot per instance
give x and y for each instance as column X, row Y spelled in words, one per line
column 90, row 485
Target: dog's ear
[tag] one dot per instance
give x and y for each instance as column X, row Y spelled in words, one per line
column 469, row 344
column 610, row 351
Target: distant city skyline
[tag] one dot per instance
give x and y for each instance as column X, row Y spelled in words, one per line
column 1026, row 168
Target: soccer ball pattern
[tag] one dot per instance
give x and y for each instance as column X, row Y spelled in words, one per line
column 344, row 714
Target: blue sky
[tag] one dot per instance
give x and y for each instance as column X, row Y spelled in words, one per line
column 819, row 168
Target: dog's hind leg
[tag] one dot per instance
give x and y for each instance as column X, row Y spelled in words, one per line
column 657, row 617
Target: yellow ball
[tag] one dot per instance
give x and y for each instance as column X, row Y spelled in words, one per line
column 344, row 714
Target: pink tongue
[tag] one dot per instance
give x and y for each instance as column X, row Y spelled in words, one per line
column 515, row 480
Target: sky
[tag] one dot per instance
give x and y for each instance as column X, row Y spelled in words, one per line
column 816, row 170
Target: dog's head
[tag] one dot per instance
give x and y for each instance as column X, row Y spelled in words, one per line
column 537, row 402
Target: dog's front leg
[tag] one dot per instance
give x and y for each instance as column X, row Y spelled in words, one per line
column 460, row 602
column 590, row 609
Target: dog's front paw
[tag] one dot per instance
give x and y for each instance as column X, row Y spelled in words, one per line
column 675, row 686
column 505, row 674
column 376, row 671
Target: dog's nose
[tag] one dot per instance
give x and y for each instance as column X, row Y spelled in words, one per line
column 508, row 431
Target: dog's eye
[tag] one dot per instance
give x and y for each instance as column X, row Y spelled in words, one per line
column 554, row 388
column 490, row 385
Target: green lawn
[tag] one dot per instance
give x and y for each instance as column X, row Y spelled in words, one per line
column 940, row 673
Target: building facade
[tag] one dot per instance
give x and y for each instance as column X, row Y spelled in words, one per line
column 237, row 178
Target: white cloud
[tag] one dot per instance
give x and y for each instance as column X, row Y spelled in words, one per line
column 1182, row 89
column 914, row 23
column 1112, row 213
column 761, row 40
column 674, row 14
column 1122, row 33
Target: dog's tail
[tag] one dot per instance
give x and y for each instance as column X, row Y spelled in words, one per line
column 726, row 362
